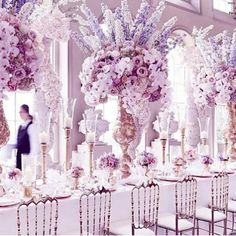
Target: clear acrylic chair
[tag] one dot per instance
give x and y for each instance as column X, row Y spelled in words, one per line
column 217, row 209
column 185, row 200
column 37, row 216
column 95, row 212
column 144, row 212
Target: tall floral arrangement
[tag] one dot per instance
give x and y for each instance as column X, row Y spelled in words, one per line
column 127, row 57
column 215, row 66
column 20, row 55
column 27, row 30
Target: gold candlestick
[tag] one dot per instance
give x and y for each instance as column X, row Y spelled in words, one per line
column 91, row 166
column 68, row 159
column 163, row 143
column 225, row 146
column 182, row 143
column 27, row 191
column 204, row 141
column 44, row 148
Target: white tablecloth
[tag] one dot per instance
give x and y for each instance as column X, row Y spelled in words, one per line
column 68, row 220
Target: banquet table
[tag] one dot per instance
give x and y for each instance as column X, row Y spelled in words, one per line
column 68, row 220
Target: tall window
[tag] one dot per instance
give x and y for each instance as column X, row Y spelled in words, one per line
column 11, row 108
column 223, row 5
column 220, row 124
column 178, row 75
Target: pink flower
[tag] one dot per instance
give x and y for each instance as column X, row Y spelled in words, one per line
column 32, row 35
column 147, row 159
column 142, row 72
column 19, row 74
column 108, row 161
column 77, row 172
column 138, row 61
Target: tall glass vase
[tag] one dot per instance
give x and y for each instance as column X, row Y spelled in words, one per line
column 203, row 148
column 231, row 130
column 124, row 133
column 4, row 128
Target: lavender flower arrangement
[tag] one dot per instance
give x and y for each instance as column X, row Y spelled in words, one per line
column 179, row 161
column 147, row 159
column 207, row 160
column 191, row 155
column 15, row 174
column 128, row 57
column 214, row 66
column 108, row 161
column 77, row 172
column 21, row 56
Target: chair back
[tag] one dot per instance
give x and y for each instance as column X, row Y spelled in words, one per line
column 145, row 205
column 220, row 192
column 186, row 198
column 95, row 210
column 37, row 216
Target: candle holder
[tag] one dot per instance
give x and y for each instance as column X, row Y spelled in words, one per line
column 226, row 147
column 91, row 164
column 90, row 137
column 163, row 143
column 68, row 159
column 44, row 149
column 183, row 142
column 27, row 191
column 204, row 141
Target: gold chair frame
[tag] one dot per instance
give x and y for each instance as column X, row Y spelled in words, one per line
column 103, row 199
column 148, row 214
column 219, row 200
column 185, row 202
column 35, row 202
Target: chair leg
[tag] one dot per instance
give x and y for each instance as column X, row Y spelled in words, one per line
column 193, row 231
column 225, row 227
column 213, row 228
column 232, row 221
column 209, row 228
column 197, row 227
column 166, row 231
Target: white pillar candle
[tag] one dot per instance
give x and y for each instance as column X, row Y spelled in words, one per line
column 182, row 124
column 90, row 137
column 204, row 135
column 75, row 158
column 28, row 176
column 43, row 137
column 163, row 135
column 68, row 122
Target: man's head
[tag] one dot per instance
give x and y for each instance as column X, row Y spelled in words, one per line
column 24, row 112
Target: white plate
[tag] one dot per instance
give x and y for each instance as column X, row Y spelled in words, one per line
column 202, row 175
column 63, row 195
column 5, row 202
column 170, row 178
column 229, row 172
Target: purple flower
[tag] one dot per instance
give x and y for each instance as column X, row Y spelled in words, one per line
column 207, row 160
column 15, row 174
column 108, row 161
column 138, row 61
column 77, row 172
column 142, row 72
column 32, row 35
column 147, row 159
column 19, row 74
